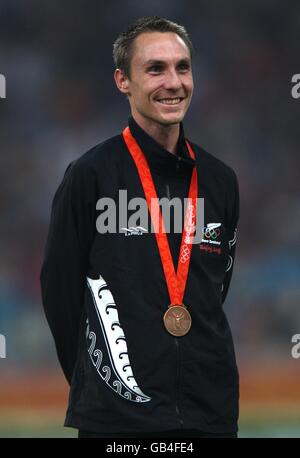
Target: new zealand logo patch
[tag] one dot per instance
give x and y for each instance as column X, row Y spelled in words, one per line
column 211, row 238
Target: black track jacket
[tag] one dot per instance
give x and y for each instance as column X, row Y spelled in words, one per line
column 104, row 296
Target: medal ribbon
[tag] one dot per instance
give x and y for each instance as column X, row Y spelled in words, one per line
column 176, row 282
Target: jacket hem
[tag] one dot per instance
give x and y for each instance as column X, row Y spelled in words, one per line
column 82, row 423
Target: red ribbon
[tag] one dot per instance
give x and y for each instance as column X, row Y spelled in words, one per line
column 176, row 282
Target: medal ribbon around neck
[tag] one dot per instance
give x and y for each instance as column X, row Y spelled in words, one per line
column 176, row 282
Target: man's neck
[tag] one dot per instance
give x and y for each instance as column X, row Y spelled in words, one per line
column 166, row 136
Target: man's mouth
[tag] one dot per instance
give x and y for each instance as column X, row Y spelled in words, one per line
column 170, row 101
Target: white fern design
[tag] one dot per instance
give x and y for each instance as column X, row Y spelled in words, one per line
column 124, row 382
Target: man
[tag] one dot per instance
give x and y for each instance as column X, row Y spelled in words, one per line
column 137, row 316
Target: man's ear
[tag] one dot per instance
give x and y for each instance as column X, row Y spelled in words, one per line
column 122, row 81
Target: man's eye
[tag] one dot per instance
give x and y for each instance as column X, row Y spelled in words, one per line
column 183, row 67
column 155, row 69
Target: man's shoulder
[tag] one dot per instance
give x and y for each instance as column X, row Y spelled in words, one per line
column 96, row 159
column 212, row 163
column 103, row 151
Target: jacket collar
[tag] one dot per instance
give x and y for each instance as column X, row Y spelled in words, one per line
column 160, row 159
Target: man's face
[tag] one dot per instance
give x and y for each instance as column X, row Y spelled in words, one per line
column 161, row 82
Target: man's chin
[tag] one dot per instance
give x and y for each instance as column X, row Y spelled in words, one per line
column 170, row 119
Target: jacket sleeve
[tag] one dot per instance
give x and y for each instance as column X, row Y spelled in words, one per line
column 65, row 266
column 233, row 217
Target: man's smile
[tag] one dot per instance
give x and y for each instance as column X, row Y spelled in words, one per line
column 170, row 100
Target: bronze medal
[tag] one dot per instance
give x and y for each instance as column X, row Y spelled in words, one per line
column 177, row 320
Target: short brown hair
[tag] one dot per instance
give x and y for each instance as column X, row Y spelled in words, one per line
column 122, row 47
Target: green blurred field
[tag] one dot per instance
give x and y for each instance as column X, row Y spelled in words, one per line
column 34, row 424
column 255, row 421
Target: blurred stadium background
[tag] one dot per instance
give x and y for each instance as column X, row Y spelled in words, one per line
column 61, row 100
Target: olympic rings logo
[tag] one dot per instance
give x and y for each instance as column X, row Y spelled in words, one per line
column 211, row 233
column 184, row 254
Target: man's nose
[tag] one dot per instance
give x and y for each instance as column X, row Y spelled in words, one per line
column 173, row 80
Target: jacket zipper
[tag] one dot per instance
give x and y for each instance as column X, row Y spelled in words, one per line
column 178, row 413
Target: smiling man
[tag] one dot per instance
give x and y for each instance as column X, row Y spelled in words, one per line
column 138, row 322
